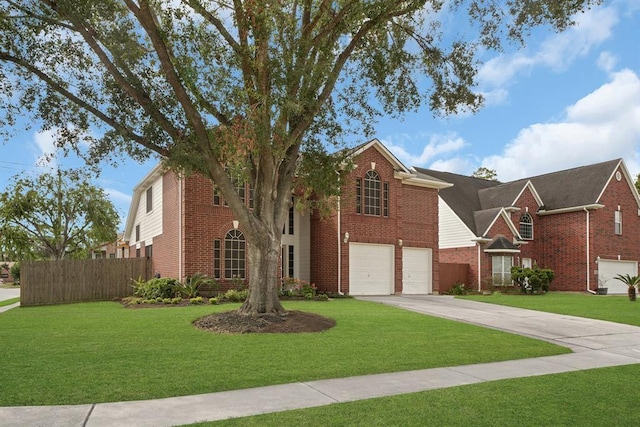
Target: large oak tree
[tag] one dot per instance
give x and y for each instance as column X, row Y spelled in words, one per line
column 248, row 84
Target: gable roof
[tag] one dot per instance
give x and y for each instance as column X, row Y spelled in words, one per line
column 462, row 197
column 478, row 202
column 408, row 176
column 157, row 171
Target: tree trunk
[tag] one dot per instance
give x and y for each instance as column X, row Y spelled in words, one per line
column 632, row 293
column 263, row 257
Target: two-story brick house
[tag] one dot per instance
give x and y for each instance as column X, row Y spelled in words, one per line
column 382, row 239
column 583, row 223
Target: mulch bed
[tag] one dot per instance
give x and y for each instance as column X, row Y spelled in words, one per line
column 231, row 322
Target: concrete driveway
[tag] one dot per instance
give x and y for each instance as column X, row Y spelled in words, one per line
column 577, row 333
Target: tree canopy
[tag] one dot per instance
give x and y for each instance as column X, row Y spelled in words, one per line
column 55, row 216
column 247, row 84
column 485, row 173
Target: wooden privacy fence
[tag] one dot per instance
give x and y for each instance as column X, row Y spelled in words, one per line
column 67, row 281
column 451, row 274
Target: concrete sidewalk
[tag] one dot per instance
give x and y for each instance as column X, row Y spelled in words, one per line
column 9, row 293
column 595, row 343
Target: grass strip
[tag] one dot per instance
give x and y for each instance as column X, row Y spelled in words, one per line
column 9, row 301
column 613, row 308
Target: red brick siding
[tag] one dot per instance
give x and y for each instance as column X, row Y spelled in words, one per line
column 412, row 218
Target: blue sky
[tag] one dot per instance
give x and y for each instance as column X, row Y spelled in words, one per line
column 565, row 100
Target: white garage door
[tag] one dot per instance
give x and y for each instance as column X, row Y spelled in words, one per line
column 370, row 269
column 609, row 269
column 416, row 271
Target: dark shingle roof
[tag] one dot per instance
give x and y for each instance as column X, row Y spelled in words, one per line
column 477, row 201
column 463, row 196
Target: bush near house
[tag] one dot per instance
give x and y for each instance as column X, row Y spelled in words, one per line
column 532, row 280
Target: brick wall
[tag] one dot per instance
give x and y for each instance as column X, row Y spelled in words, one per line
column 166, row 246
column 412, row 218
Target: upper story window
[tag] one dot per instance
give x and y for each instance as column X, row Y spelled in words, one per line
column 138, row 233
column 526, row 226
column 617, row 220
column 149, row 199
column 372, row 193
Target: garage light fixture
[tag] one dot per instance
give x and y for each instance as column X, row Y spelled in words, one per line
column 346, row 237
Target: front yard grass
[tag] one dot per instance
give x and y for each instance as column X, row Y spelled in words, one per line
column 102, row 352
column 598, row 397
column 613, row 308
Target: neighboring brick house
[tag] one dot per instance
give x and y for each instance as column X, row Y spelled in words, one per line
column 383, row 239
column 116, row 249
column 583, row 223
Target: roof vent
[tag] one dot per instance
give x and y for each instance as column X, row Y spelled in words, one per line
column 618, row 176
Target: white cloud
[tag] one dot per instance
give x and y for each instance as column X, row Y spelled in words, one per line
column 118, row 197
column 607, row 61
column 437, row 145
column 558, row 51
column 45, row 149
column 603, row 125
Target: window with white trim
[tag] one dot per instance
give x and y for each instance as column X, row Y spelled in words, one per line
column 149, row 199
column 234, row 255
column 526, row 226
column 372, row 196
column 501, row 270
column 617, row 220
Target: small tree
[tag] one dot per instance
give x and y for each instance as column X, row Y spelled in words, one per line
column 532, row 280
column 631, row 282
column 55, row 216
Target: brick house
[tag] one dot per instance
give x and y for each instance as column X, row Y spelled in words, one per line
column 583, row 223
column 382, row 239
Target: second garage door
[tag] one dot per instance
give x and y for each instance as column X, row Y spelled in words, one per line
column 370, row 269
column 416, row 271
column 607, row 271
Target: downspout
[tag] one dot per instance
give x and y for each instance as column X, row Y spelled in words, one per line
column 180, row 236
column 339, row 251
column 588, row 256
column 479, row 269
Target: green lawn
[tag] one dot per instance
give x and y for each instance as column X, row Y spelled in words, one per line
column 598, row 397
column 100, row 352
column 9, row 301
column 604, row 307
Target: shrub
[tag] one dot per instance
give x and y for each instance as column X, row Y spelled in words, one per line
column 213, row 301
column 196, row 300
column 166, row 300
column 191, row 287
column 176, row 300
column 235, row 295
column 322, row 297
column 532, row 280
column 457, row 289
column 292, row 287
column 154, row 288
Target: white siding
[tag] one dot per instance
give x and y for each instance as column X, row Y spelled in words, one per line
column 151, row 222
column 453, row 232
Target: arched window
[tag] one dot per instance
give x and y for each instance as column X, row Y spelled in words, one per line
column 372, row 193
column 234, row 255
column 526, row 226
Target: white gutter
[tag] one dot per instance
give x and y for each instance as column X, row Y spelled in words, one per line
column 571, row 209
column 588, row 275
column 339, row 251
